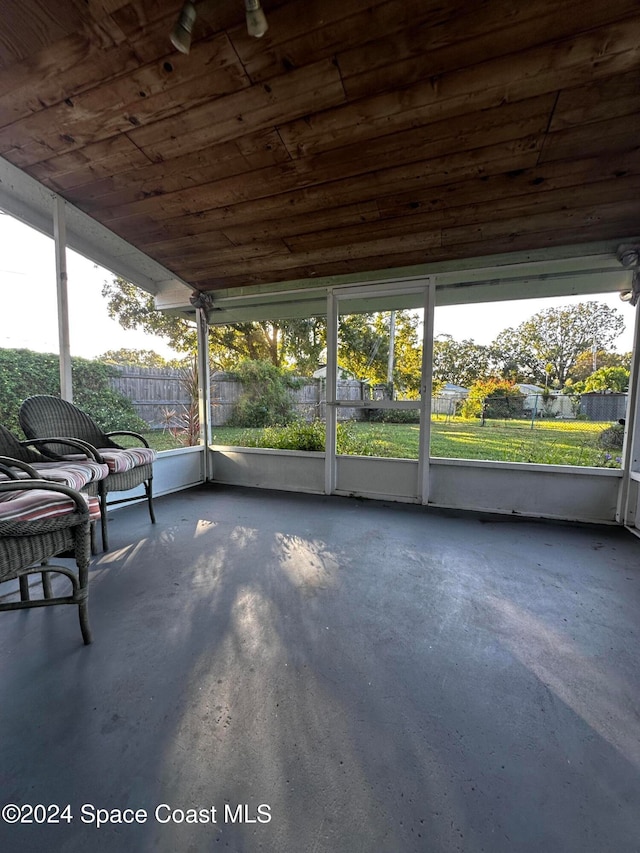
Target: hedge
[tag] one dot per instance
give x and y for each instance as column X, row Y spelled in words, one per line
column 24, row 373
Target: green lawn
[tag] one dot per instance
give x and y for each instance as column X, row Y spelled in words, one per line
column 550, row 442
column 555, row 443
column 162, row 440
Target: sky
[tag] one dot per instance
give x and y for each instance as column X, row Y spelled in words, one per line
column 28, row 304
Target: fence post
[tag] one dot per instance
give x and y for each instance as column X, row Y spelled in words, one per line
column 535, row 410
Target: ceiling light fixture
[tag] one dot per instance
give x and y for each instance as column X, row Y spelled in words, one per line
column 629, row 257
column 203, row 301
column 256, row 22
column 181, row 33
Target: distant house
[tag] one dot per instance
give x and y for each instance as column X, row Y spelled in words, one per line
column 446, row 401
column 532, row 396
column 451, row 390
column 545, row 404
column 343, row 373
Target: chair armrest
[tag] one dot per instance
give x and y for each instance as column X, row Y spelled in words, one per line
column 88, row 449
column 7, row 463
column 137, row 435
column 79, row 444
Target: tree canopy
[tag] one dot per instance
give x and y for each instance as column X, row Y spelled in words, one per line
column 608, row 379
column 363, row 348
column 137, row 358
column 295, row 342
column 460, row 362
column 547, row 346
column 603, row 358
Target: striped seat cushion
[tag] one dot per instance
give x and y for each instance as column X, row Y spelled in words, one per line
column 76, row 475
column 120, row 461
column 38, row 504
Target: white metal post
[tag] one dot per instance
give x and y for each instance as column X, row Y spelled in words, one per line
column 60, row 240
column 331, row 408
column 631, row 449
column 426, row 392
column 204, row 387
column 392, row 347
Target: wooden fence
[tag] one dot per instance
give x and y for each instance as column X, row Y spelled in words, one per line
column 154, row 392
column 159, row 395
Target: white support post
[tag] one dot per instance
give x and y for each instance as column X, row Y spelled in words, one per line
column 60, row 240
column 204, row 387
column 426, row 392
column 631, row 449
column 392, row 348
column 331, row 410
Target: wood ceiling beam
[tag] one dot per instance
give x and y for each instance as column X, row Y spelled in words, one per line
column 598, row 54
column 261, row 106
column 479, row 34
column 482, row 129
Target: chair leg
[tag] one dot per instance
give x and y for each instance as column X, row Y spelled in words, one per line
column 24, row 588
column 83, row 613
column 46, row 584
column 103, row 520
column 148, row 487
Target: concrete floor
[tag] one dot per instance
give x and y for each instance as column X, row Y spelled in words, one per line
column 370, row 677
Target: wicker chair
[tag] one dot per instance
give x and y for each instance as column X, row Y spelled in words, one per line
column 43, row 416
column 82, row 474
column 40, row 520
column 35, row 452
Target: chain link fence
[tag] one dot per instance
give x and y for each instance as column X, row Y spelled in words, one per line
column 534, row 411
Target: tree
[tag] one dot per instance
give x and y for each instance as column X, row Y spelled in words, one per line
column 363, row 349
column 363, row 346
column 556, row 337
column 266, row 398
column 460, row 362
column 615, row 379
column 294, row 342
column 133, row 308
column 493, row 398
column 407, row 369
column 135, row 357
column 584, row 363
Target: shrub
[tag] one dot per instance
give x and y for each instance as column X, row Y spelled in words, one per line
column 394, row 416
column 614, row 379
column 310, row 437
column 499, row 398
column 184, row 424
column 295, row 436
column 612, row 437
column 266, row 396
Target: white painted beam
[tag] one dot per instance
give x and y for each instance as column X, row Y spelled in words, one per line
column 64, row 341
column 594, row 271
column 31, row 202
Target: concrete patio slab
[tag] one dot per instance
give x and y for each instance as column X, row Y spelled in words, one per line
column 299, row 673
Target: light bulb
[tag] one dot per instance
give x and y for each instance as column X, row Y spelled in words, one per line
column 256, row 21
column 181, row 33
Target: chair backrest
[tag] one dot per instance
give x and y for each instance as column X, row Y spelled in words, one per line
column 42, row 416
column 10, row 446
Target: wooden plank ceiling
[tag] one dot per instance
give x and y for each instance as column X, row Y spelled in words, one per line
column 355, row 136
